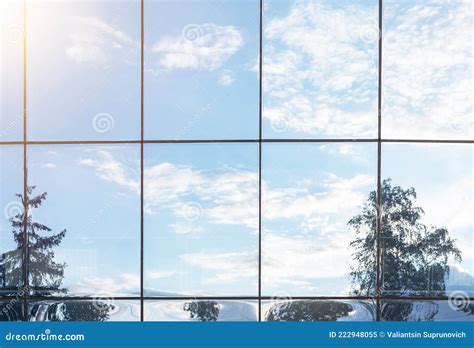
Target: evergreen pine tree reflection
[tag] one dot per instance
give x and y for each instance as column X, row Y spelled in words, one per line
column 45, row 275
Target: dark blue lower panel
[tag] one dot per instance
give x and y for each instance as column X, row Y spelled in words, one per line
column 231, row 334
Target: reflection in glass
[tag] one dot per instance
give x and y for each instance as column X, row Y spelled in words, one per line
column 202, row 79
column 310, row 192
column 90, row 213
column 201, row 310
column 11, row 309
column 83, row 68
column 414, row 256
column 320, row 69
column 105, row 309
column 201, row 222
column 44, row 273
column 318, row 310
column 428, row 310
column 11, row 208
column 11, row 70
column 427, row 232
column 427, row 69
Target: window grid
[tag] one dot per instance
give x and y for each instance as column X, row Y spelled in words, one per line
column 378, row 297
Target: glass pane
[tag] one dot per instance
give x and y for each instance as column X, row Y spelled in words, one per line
column 83, row 70
column 11, row 70
column 11, row 310
column 427, row 311
column 427, row 69
column 11, row 184
column 320, row 69
column 310, row 194
column 102, row 309
column 92, row 206
column 427, row 232
column 201, row 222
column 202, row 79
column 201, row 310
column 318, row 310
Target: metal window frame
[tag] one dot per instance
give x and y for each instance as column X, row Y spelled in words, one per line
column 378, row 296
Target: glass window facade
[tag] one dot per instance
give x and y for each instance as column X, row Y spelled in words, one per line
column 253, row 160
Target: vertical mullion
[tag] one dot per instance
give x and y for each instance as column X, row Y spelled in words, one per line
column 141, row 155
column 25, row 253
column 260, row 165
column 379, row 169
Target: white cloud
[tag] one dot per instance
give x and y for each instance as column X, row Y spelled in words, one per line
column 340, row 196
column 185, row 228
column 209, row 49
column 456, row 211
column 227, row 267
column 227, row 195
column 122, row 285
column 226, row 78
column 320, row 71
column 427, row 70
column 109, row 169
column 94, row 41
column 49, row 165
column 160, row 274
column 294, row 260
column 311, row 224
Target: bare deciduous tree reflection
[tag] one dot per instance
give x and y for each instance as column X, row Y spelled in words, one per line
column 414, row 259
column 202, row 310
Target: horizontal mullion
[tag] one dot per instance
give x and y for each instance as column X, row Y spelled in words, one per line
column 429, row 141
column 211, row 141
column 223, row 298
